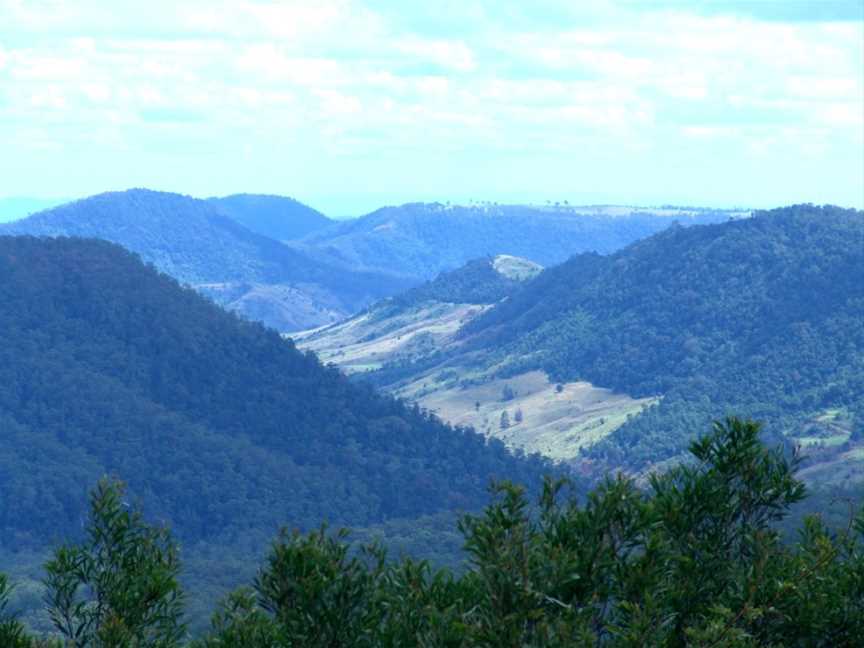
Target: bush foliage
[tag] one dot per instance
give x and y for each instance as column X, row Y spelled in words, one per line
column 692, row 559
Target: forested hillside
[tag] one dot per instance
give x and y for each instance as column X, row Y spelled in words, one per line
column 763, row 316
column 424, row 239
column 197, row 243
column 220, row 426
column 277, row 217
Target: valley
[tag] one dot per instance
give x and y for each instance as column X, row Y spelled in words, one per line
column 500, row 368
column 555, row 420
column 474, row 324
column 527, row 411
column 632, row 376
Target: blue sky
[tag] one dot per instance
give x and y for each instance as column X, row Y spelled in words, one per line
column 348, row 105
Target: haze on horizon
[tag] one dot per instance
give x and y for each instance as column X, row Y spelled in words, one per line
column 351, row 104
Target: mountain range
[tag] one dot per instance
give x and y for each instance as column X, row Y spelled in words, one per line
column 275, row 260
column 421, row 240
column 225, row 430
column 204, row 245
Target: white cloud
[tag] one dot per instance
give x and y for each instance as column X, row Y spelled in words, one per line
column 452, row 55
column 842, row 114
column 269, row 62
column 336, row 71
column 287, row 20
column 710, row 132
column 819, row 87
column 97, row 92
column 50, row 97
column 31, row 66
column 334, row 104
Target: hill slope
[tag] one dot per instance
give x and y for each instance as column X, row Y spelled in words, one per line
column 764, row 315
column 195, row 242
column 420, row 321
column 276, row 217
column 221, row 427
column 399, row 344
column 422, row 240
column 760, row 316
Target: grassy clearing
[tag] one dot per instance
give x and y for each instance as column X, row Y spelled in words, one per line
column 366, row 341
column 556, row 422
column 831, row 441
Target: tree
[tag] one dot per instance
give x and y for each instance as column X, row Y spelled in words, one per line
column 11, row 631
column 119, row 587
column 518, row 416
column 309, row 593
column 693, row 560
column 505, row 420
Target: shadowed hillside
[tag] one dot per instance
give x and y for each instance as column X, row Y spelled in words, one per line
column 220, row 426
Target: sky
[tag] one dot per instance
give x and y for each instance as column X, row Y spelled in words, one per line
column 348, row 105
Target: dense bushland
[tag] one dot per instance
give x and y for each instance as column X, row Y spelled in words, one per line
column 221, row 427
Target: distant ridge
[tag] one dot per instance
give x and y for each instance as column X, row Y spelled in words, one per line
column 277, row 217
column 198, row 244
column 420, row 240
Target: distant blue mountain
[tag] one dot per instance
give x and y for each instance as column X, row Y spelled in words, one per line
column 195, row 242
column 278, row 217
column 420, row 240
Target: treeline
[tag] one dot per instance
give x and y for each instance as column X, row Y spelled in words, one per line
column 692, row 560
